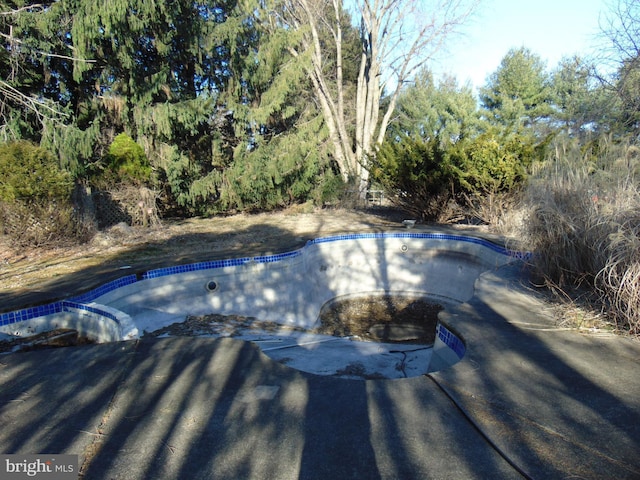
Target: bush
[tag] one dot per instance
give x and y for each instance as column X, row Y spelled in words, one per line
column 416, row 175
column 584, row 226
column 35, row 205
column 427, row 176
column 126, row 163
column 31, row 174
column 491, row 163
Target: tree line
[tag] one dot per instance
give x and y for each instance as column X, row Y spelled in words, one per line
column 246, row 105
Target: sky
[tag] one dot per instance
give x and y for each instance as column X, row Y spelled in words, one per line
column 552, row 29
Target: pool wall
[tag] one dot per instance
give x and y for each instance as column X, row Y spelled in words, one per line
column 98, row 322
column 448, row 349
column 288, row 288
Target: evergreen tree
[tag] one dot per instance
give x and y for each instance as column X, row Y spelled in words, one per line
column 428, row 110
column 159, row 67
column 148, row 52
column 277, row 154
column 518, row 94
column 33, row 59
column 584, row 106
column 440, row 149
column 219, row 104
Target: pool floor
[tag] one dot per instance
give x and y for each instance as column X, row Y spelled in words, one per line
column 319, row 354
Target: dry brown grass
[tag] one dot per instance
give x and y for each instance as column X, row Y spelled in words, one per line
column 583, row 223
column 181, row 241
column 41, row 224
column 619, row 279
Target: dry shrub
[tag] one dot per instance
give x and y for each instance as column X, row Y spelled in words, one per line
column 560, row 228
column 141, row 203
column 499, row 210
column 35, row 198
column 38, row 224
column 583, row 224
column 619, row 279
column 133, row 205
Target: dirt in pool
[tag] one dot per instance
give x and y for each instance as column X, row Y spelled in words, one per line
column 374, row 318
column 61, row 337
column 382, row 318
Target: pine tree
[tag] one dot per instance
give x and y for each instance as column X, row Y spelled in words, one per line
column 32, row 61
column 518, row 92
column 276, row 155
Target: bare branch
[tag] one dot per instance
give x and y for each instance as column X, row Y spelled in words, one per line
column 397, row 37
column 41, row 107
column 26, row 8
column 16, row 41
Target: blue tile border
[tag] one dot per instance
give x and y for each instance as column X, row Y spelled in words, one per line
column 194, row 267
column 66, row 305
column 30, row 313
column 80, row 301
column 103, row 289
column 50, row 309
column 451, row 340
column 233, row 262
column 433, row 236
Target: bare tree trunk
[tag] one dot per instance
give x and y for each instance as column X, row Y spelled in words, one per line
column 332, row 109
column 337, row 35
column 397, row 37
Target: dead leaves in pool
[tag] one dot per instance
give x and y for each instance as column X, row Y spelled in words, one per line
column 382, row 318
column 386, row 318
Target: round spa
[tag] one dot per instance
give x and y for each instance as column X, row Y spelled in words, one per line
column 284, row 303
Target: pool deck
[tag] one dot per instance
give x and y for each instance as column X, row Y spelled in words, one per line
column 528, row 400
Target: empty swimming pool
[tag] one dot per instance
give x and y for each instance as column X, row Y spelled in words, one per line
column 276, row 300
